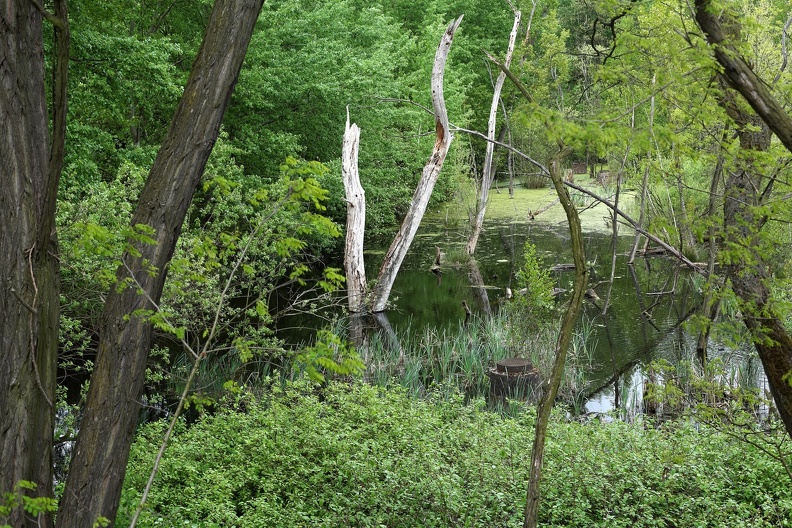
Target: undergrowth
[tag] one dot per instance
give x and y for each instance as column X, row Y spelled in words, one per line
column 360, row 455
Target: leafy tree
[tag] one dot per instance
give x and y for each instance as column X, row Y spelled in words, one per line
column 30, row 318
column 748, row 203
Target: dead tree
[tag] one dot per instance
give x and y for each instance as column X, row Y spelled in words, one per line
column 356, row 219
column 487, row 175
column 401, row 242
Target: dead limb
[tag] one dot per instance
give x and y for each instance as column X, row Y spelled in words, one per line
column 403, row 239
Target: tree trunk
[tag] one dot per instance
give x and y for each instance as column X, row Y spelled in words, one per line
column 748, row 273
column 710, row 305
column 487, row 175
column 30, row 275
column 741, row 76
column 98, row 465
column 562, row 345
column 401, row 243
column 479, row 289
column 644, row 181
column 356, row 219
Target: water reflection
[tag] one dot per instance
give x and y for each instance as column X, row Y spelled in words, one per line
column 650, row 301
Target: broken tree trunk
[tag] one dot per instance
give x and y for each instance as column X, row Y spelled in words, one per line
column 401, row 243
column 487, row 175
column 356, row 219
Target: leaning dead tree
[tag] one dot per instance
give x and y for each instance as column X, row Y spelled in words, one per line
column 356, row 219
column 401, row 242
column 487, row 174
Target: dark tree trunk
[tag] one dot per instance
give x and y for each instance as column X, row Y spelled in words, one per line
column 98, row 465
column 749, row 273
column 29, row 271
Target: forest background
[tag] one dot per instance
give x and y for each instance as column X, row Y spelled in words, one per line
column 631, row 86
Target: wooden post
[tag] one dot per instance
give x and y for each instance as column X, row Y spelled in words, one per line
column 403, row 239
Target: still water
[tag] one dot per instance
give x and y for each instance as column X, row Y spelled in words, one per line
column 650, row 307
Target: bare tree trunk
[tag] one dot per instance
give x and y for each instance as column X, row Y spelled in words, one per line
column 710, row 305
column 93, row 486
column 487, row 174
column 401, row 243
column 30, row 276
column 479, row 289
column 615, row 224
column 356, row 219
column 644, row 183
column 686, row 238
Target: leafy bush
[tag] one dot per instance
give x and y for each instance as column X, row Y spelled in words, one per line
column 366, row 456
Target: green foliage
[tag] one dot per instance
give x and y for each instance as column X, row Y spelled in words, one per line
column 366, row 456
column 17, row 498
column 328, row 355
column 536, row 284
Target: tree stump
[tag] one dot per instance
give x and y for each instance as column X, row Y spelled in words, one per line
column 513, row 378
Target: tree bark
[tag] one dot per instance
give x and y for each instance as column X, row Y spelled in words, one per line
column 93, row 486
column 487, row 175
column 356, row 219
column 401, row 242
column 29, row 271
column 562, row 345
column 749, row 274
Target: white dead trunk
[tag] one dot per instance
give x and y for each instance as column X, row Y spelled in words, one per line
column 487, row 175
column 401, row 243
column 356, row 219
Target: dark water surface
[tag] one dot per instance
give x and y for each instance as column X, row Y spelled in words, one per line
column 650, row 301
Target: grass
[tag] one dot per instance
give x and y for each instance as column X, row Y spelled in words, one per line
column 457, row 360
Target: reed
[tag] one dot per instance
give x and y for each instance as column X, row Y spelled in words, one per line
column 455, row 359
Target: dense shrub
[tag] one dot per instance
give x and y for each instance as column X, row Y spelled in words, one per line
column 358, row 455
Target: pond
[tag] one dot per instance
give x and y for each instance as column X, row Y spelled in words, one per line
column 650, row 302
